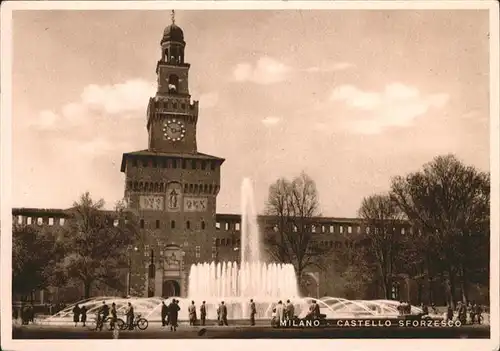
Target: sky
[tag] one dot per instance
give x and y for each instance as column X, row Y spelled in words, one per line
column 351, row 97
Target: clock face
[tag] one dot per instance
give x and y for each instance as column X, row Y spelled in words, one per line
column 174, row 130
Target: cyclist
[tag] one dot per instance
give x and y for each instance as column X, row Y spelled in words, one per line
column 102, row 314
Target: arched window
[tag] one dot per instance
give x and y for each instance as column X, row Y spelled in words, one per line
column 188, row 225
column 142, row 223
column 172, row 224
column 173, row 83
column 202, row 224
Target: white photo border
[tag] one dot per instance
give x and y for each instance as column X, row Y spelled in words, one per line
column 8, row 343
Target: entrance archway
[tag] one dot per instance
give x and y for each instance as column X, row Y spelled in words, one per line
column 171, row 288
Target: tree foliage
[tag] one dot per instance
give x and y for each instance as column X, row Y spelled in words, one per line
column 383, row 216
column 95, row 242
column 449, row 203
column 294, row 204
column 35, row 253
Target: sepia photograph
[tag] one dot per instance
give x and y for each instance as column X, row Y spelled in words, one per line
column 180, row 170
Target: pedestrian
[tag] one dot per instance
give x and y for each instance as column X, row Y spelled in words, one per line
column 25, row 315
column 478, row 311
column 173, row 314
column 280, row 312
column 114, row 317
column 400, row 308
column 219, row 320
column 83, row 314
column 192, row 313
column 164, row 314
column 253, row 312
column 31, row 313
column 315, row 312
column 130, row 316
column 223, row 313
column 76, row 314
column 434, row 309
column 470, row 314
column 406, row 308
column 102, row 314
column 449, row 312
column 203, row 313
column 462, row 312
column 425, row 309
column 15, row 314
column 290, row 310
column 274, row 319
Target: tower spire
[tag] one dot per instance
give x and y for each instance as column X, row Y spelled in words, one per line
column 172, row 16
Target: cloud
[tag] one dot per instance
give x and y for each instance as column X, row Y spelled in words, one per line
column 124, row 100
column 398, row 105
column 209, row 100
column 339, row 66
column 271, row 120
column 132, row 95
column 46, row 120
column 265, row 71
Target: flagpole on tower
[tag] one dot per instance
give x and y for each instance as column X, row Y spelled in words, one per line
column 173, row 16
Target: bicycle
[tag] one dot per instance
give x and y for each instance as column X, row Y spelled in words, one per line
column 139, row 322
column 94, row 324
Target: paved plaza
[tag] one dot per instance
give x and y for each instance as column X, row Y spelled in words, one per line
column 156, row 331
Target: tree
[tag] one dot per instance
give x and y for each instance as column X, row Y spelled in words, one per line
column 383, row 216
column 294, row 204
column 35, row 253
column 449, row 202
column 95, row 242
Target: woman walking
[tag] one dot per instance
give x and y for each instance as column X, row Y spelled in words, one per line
column 76, row 314
column 83, row 314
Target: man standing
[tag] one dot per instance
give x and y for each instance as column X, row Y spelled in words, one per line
column 253, row 312
column 114, row 317
column 223, row 313
column 478, row 313
column 130, row 316
column 425, row 309
column 203, row 313
column 192, row 313
column 83, row 313
column 173, row 313
column 449, row 312
column 315, row 312
column 462, row 312
column 290, row 310
column 164, row 313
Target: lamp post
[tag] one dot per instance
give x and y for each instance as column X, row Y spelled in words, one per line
column 129, row 275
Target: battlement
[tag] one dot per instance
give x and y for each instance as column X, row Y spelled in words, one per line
column 159, row 106
column 45, row 216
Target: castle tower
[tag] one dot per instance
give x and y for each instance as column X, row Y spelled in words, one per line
column 170, row 186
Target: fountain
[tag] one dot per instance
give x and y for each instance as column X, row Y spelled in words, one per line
column 265, row 283
column 235, row 284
